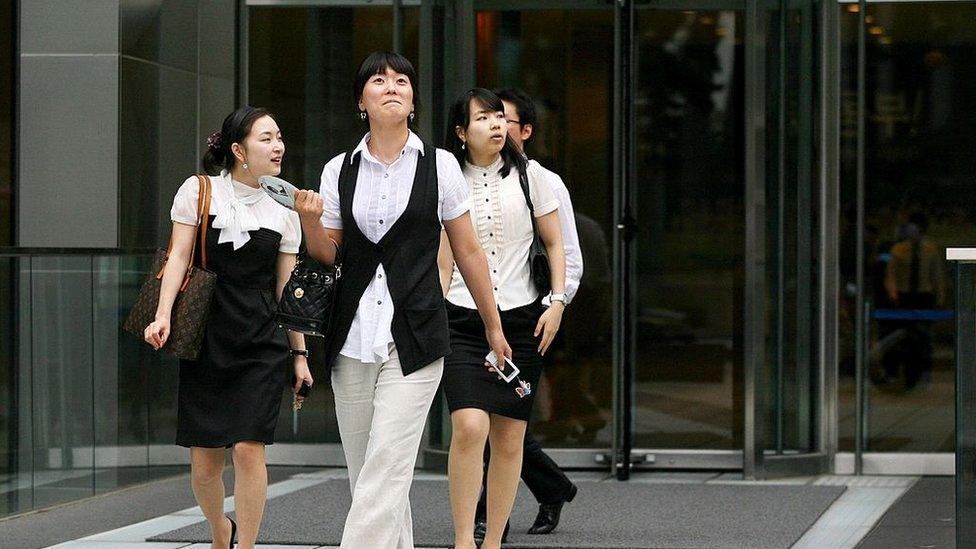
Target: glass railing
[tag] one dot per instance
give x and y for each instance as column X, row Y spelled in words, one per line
column 84, row 407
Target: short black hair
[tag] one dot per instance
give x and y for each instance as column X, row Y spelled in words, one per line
column 377, row 63
column 235, row 129
column 460, row 116
column 522, row 102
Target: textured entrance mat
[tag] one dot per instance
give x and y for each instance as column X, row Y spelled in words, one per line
column 609, row 515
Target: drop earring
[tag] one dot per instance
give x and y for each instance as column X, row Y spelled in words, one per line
column 244, row 165
column 462, row 145
column 362, row 115
column 411, row 117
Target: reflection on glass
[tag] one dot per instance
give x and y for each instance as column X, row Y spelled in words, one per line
column 61, row 378
column 690, row 193
column 920, row 86
column 564, row 60
column 15, row 440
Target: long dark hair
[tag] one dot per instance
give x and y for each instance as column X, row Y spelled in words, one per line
column 235, row 129
column 377, row 63
column 460, row 116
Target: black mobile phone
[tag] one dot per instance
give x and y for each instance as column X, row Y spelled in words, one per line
column 305, row 390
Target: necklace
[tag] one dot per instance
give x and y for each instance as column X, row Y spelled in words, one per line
column 385, row 161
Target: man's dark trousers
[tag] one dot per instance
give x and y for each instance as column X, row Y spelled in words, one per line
column 540, row 473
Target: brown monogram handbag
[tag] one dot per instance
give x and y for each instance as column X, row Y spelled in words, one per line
column 192, row 305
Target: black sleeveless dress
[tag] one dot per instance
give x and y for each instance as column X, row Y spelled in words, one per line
column 232, row 392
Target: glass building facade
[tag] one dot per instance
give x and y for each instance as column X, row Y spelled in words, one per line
column 760, row 189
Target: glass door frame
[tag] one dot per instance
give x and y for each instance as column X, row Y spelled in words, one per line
column 860, row 461
column 755, row 460
column 448, row 60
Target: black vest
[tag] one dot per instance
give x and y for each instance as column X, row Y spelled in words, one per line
column 408, row 252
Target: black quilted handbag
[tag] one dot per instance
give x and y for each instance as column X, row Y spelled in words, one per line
column 307, row 300
column 538, row 256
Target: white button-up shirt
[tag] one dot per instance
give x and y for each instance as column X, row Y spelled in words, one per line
column 382, row 194
column 567, row 225
column 504, row 228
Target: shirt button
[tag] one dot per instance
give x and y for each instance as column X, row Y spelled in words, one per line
column 379, row 302
column 486, row 184
column 486, row 200
column 379, row 276
column 489, row 217
column 492, row 253
column 486, row 175
column 495, row 271
column 496, row 289
column 491, row 234
column 381, row 221
column 386, row 175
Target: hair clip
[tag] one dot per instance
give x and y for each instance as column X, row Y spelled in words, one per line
column 214, row 141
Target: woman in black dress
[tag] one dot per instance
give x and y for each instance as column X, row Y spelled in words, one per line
column 483, row 406
column 230, row 396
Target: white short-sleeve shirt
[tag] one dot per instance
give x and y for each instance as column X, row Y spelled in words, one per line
column 238, row 208
column 504, row 228
column 382, row 194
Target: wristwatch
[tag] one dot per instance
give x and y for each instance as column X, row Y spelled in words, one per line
column 558, row 297
column 298, row 352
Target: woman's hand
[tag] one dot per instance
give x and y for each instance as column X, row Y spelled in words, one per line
column 498, row 343
column 157, row 332
column 548, row 325
column 309, row 205
column 302, row 374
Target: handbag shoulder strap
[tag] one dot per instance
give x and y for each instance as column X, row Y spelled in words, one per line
column 524, row 183
column 203, row 219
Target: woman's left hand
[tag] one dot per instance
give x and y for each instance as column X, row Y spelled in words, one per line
column 302, row 373
column 548, row 325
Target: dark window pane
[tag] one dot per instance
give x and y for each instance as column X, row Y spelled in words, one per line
column 919, row 166
column 564, row 60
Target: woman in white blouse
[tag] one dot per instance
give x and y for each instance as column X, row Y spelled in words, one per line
column 230, row 396
column 484, row 407
column 384, row 202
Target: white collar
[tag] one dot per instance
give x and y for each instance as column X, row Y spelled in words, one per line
column 233, row 217
column 413, row 142
column 491, row 170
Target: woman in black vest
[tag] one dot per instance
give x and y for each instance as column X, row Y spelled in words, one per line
column 385, row 203
column 230, row 396
column 483, row 406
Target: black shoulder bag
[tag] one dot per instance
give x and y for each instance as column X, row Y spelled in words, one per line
column 538, row 257
column 308, row 299
column 308, row 296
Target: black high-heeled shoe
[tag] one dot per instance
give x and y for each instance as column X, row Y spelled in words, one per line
column 233, row 532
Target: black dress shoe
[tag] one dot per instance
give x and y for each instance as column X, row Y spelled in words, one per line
column 548, row 517
column 481, row 528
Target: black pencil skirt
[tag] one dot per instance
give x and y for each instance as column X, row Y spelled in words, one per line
column 468, row 384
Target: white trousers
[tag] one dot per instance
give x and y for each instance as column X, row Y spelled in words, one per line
column 381, row 415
